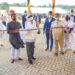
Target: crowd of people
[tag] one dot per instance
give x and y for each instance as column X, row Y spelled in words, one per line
column 59, row 32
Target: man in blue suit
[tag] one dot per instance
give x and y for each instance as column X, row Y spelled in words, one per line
column 47, row 31
column 24, row 19
column 72, row 16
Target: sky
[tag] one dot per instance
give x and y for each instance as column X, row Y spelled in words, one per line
column 41, row 2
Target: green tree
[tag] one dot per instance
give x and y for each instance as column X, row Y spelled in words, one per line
column 4, row 6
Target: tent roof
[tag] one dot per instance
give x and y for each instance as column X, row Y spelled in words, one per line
column 2, row 11
column 37, row 9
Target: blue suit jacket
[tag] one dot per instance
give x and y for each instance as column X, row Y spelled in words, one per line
column 23, row 20
column 47, row 25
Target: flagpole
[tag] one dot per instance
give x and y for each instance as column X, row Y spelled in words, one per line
column 28, row 5
column 53, row 7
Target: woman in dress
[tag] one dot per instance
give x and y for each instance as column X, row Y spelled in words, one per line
column 73, row 39
column 68, row 25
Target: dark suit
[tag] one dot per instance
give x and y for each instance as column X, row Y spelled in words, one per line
column 49, row 36
column 23, row 21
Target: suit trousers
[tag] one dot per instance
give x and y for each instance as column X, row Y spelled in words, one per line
column 30, row 50
column 59, row 42
column 49, row 40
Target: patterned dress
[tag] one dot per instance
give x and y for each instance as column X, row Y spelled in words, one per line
column 67, row 35
column 73, row 39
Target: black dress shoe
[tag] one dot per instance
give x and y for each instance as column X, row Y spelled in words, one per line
column 1, row 45
column 56, row 54
column 30, row 62
column 50, row 49
column 20, row 59
column 33, row 58
column 46, row 49
column 62, row 53
column 74, row 52
column 12, row 61
column 38, row 32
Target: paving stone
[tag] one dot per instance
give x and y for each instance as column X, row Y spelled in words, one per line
column 45, row 64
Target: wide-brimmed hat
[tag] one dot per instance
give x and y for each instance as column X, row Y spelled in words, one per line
column 30, row 17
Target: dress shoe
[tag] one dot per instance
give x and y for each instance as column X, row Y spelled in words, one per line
column 33, row 58
column 30, row 62
column 56, row 54
column 46, row 49
column 74, row 52
column 1, row 45
column 50, row 49
column 20, row 59
column 62, row 53
column 12, row 61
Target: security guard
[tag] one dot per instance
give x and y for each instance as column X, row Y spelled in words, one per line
column 58, row 34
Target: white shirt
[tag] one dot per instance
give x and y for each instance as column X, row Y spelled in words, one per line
column 2, row 27
column 69, row 23
column 72, row 17
column 30, row 34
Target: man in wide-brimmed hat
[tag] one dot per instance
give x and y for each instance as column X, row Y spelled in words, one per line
column 30, row 37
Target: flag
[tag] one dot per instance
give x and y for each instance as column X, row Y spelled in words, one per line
column 28, row 4
column 53, row 7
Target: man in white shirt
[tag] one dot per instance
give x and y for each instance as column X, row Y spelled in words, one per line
column 30, row 38
column 2, row 27
column 72, row 16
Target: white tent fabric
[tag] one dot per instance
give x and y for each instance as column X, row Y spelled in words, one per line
column 2, row 11
column 40, row 10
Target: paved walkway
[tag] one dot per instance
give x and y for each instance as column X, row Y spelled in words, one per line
column 45, row 64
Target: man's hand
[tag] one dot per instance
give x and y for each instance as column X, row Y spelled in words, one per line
column 15, row 31
column 67, row 30
column 38, row 32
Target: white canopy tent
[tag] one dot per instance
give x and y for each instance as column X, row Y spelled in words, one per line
column 3, row 11
column 40, row 10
